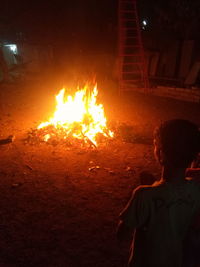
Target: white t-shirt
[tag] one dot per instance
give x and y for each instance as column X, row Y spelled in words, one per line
column 161, row 215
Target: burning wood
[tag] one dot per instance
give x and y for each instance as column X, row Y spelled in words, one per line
column 77, row 117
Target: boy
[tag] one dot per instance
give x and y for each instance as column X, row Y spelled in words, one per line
column 161, row 214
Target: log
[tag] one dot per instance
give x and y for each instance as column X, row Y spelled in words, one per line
column 7, row 140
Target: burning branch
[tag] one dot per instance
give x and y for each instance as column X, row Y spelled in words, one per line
column 77, row 116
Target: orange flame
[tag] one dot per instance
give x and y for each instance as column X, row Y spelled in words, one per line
column 80, row 111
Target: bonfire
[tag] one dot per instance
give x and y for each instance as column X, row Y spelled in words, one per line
column 77, row 116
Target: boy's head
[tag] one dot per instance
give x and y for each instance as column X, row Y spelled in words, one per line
column 177, row 143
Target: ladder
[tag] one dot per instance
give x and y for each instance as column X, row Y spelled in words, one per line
column 132, row 63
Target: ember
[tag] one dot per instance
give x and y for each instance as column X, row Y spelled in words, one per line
column 78, row 117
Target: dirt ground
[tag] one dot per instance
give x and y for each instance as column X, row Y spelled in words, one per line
column 54, row 210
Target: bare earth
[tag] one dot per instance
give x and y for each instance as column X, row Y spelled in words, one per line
column 54, row 210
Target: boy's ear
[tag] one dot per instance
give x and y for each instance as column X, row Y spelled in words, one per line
column 158, row 152
column 160, row 156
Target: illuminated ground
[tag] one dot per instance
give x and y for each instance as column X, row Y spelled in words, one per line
column 54, row 210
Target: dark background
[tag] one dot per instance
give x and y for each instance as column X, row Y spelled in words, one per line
column 76, row 29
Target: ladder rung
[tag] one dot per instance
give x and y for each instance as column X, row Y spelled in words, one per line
column 133, row 72
column 128, row 37
column 132, row 80
column 128, row 11
column 133, row 63
column 124, row 5
column 125, row 19
column 127, row 55
column 134, row 45
column 129, row 28
column 128, row 46
column 132, row 55
column 123, row 73
column 138, row 63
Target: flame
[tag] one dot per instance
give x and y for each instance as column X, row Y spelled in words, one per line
column 79, row 116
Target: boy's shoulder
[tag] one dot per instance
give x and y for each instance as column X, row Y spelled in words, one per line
column 144, row 190
column 150, row 188
column 158, row 187
column 162, row 188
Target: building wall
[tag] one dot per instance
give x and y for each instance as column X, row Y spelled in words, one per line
column 189, row 95
column 173, row 60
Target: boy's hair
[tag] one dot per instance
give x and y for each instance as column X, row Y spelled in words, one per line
column 179, row 141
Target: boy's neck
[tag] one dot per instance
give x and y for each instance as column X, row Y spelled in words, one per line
column 173, row 175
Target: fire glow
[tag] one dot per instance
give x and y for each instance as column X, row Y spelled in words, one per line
column 79, row 116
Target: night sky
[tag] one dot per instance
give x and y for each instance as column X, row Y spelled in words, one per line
column 59, row 21
column 79, row 20
column 83, row 27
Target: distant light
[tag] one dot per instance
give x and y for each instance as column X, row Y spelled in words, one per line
column 12, row 47
column 144, row 22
